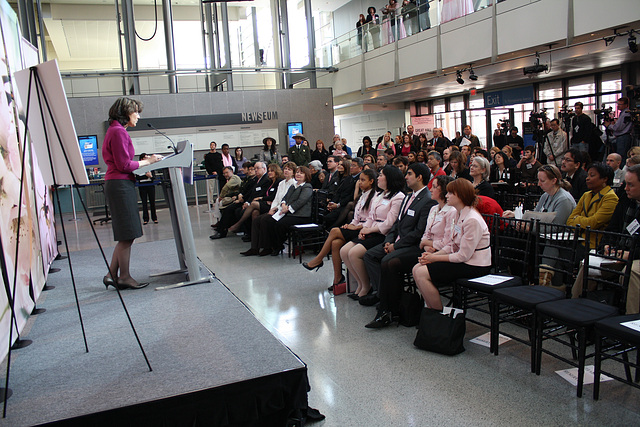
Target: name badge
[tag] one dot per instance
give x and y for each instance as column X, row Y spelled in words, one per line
column 438, row 219
column 576, row 129
column 385, row 202
column 457, row 229
column 616, row 181
column 529, row 165
column 258, row 188
column 633, row 227
column 410, row 212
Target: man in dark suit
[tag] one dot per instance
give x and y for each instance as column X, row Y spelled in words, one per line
column 415, row 139
column 332, row 178
column 400, row 250
column 439, row 142
column 468, row 138
column 343, row 195
column 231, row 214
column 299, row 153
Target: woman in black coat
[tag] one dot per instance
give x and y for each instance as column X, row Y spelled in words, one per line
column 320, row 153
column 367, row 148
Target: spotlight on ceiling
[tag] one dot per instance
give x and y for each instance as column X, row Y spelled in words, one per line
column 535, row 68
column 459, row 77
column 472, row 75
column 633, row 47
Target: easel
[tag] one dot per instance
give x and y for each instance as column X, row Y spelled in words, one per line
column 177, row 165
column 35, row 83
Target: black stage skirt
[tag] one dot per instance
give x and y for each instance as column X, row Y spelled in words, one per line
column 122, row 199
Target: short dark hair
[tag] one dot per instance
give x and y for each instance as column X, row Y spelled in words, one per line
column 389, row 151
column 555, row 120
column 579, row 104
column 530, row 148
column 290, row 165
column 624, row 100
column 401, row 159
column 358, row 161
column 247, row 165
column 577, row 155
column 224, row 145
column 229, row 168
column 420, row 169
column 123, row 108
column 604, row 170
column 443, row 181
column 635, row 169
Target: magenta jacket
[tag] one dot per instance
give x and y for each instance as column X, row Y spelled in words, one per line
column 118, row 153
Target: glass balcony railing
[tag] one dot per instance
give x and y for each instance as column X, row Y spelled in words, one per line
column 406, row 21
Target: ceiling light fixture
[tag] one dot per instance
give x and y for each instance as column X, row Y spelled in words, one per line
column 633, row 47
column 535, row 68
column 459, row 77
column 472, row 75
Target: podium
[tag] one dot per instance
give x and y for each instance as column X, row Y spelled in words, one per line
column 180, row 167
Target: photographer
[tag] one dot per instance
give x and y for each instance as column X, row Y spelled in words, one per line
column 500, row 137
column 621, row 128
column 581, row 125
column 516, row 142
column 555, row 143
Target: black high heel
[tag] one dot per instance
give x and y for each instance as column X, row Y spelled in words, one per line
column 342, row 280
column 108, row 281
column 382, row 320
column 317, row 267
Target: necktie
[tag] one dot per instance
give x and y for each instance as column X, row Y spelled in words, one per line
column 406, row 208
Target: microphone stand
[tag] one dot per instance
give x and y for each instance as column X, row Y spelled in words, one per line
column 173, row 145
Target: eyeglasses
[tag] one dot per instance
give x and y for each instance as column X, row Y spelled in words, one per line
column 567, row 159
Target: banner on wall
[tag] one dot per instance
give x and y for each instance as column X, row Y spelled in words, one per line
column 423, row 124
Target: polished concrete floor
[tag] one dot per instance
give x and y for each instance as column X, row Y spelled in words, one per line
column 362, row 377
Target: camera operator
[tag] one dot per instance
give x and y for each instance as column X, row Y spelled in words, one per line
column 621, row 128
column 499, row 136
column 555, row 143
column 515, row 141
column 581, row 126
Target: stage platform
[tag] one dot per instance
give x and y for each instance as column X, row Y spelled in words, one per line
column 213, row 362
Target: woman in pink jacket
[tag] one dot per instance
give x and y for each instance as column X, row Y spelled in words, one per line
column 382, row 214
column 467, row 255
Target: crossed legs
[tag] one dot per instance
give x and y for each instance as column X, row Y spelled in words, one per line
column 352, row 254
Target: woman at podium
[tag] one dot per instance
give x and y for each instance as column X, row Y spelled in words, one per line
column 118, row 153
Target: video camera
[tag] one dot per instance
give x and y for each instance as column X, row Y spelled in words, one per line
column 604, row 115
column 505, row 125
column 633, row 93
column 538, row 118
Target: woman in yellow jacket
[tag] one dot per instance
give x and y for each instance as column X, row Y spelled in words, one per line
column 596, row 206
column 594, row 209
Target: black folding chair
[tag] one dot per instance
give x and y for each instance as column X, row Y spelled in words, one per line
column 512, row 245
column 570, row 320
column 312, row 234
column 516, row 305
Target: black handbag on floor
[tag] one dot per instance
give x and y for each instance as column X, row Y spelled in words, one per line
column 441, row 333
column 410, row 306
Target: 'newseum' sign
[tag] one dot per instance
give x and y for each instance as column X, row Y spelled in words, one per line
column 499, row 98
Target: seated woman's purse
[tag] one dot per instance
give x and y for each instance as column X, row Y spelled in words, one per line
column 441, row 332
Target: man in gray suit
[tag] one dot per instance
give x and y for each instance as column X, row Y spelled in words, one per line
column 402, row 242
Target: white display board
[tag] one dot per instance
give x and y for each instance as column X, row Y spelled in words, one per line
column 371, row 129
column 152, row 142
column 423, row 124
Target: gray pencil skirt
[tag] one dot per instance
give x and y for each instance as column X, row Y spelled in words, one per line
column 122, row 199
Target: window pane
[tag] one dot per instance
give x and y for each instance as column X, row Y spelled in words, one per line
column 438, row 106
column 611, row 82
column 582, row 86
column 476, row 101
column 457, row 103
column 550, row 90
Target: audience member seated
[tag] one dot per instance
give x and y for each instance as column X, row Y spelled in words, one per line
column 259, row 189
column 479, row 172
column 402, row 241
column 317, row 174
column 288, row 171
column 338, row 151
column 295, row 208
column 466, row 256
column 368, row 158
column 596, row 206
column 626, row 213
column 421, row 157
column 411, row 157
column 382, row 214
column 433, row 162
column 528, row 166
column 381, row 161
column 439, row 142
column 260, row 204
column 614, row 160
column 458, row 162
column 509, row 152
column 333, row 176
column 573, row 172
column 402, row 163
column 338, row 237
column 230, row 190
column 344, row 193
column 437, row 235
column 407, row 145
column 500, row 171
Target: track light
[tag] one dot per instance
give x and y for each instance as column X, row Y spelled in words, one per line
column 472, row 75
column 633, row 47
column 459, row 77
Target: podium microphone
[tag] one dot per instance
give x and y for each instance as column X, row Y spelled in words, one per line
column 172, row 146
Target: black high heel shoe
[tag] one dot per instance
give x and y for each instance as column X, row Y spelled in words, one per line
column 108, row 281
column 342, row 280
column 124, row 285
column 382, row 320
column 317, row 267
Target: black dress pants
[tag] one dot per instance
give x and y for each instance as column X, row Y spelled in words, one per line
column 148, row 197
column 392, row 271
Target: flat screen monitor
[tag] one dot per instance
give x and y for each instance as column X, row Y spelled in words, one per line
column 292, row 129
column 89, row 149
